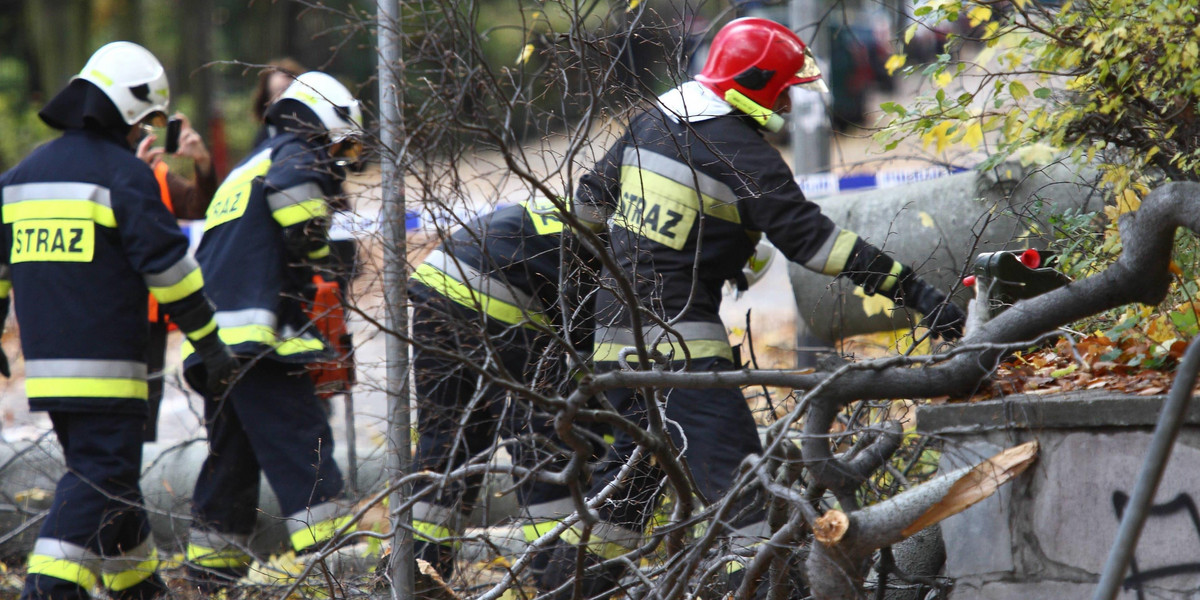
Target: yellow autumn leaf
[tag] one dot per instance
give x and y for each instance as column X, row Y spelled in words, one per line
column 525, row 55
column 979, row 15
column 1128, row 202
column 874, row 305
column 910, row 32
column 926, row 220
column 942, row 79
column 633, row 4
column 939, row 135
column 894, row 62
column 974, row 135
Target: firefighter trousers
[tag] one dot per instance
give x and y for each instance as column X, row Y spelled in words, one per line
column 715, row 430
column 270, row 421
column 96, row 533
column 461, row 414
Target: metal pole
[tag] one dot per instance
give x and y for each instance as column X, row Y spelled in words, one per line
column 395, row 271
column 1169, row 422
column 810, row 132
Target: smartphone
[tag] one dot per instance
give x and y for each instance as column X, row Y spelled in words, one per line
column 174, row 126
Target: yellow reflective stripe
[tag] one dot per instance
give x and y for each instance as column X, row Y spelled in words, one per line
column 127, row 579
column 77, row 573
column 216, row 559
column 203, row 331
column 605, row 550
column 434, row 533
column 321, row 252
column 85, row 387
column 734, row 566
column 890, row 281
column 101, row 77
column 679, row 192
column 610, row 352
column 60, row 209
column 473, row 299
column 839, row 255
column 265, row 335
column 187, row 286
column 5, row 288
column 533, row 531
column 301, row 212
column 318, row 532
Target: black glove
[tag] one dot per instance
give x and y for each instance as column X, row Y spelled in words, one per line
column 4, row 370
column 220, row 364
column 941, row 316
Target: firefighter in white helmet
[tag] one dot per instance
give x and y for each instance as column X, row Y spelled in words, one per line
column 84, row 236
column 263, row 231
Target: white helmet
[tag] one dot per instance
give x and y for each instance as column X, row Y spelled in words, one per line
column 333, row 104
column 131, row 77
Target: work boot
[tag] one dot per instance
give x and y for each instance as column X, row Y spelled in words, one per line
column 559, row 572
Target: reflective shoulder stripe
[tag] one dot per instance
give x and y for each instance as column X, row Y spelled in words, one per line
column 719, row 199
column 484, row 284
column 834, row 254
column 544, row 215
column 177, row 282
column 60, row 200
column 474, row 300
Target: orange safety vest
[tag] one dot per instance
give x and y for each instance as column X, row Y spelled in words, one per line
column 164, row 192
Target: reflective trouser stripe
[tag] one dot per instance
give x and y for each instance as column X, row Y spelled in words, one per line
column 606, row 541
column 85, row 387
column 122, row 580
column 434, row 533
column 61, row 568
column 471, row 298
column 703, row 340
column 318, row 532
column 216, row 559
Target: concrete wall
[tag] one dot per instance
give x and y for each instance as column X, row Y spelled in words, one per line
column 1048, row 533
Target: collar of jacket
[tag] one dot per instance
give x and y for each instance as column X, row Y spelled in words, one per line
column 692, row 103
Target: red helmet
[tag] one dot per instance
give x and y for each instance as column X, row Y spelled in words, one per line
column 758, row 59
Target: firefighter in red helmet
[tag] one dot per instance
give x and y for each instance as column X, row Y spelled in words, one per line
column 685, row 194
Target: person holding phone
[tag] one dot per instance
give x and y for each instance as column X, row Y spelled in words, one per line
column 186, row 198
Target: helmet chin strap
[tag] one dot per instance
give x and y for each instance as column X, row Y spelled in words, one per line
column 768, row 119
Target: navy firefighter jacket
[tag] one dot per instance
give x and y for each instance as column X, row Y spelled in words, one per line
column 267, row 221
column 84, row 236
